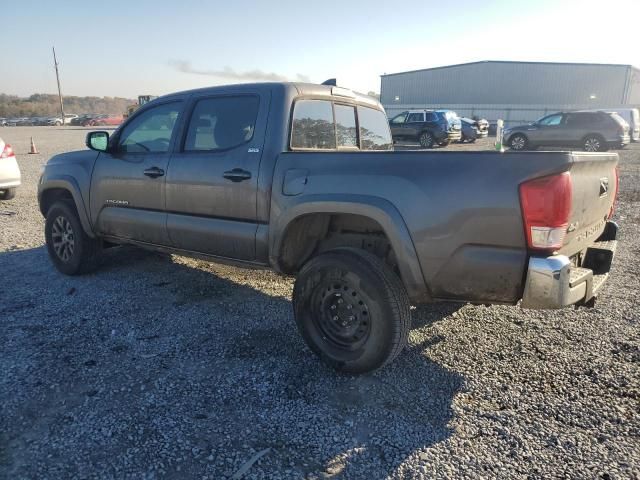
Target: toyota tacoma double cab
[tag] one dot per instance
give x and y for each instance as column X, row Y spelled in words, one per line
column 303, row 179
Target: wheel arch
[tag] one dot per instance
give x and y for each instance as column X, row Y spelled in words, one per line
column 312, row 218
column 64, row 188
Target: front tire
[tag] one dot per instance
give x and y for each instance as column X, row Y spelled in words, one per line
column 71, row 250
column 8, row 194
column 351, row 310
column 426, row 140
column 518, row 142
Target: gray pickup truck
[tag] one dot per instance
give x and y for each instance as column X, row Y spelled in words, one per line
column 303, row 179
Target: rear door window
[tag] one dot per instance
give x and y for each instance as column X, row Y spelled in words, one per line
column 346, row 129
column 374, row 129
column 313, row 125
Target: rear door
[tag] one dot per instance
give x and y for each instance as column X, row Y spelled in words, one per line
column 577, row 125
column 128, row 183
column 212, row 180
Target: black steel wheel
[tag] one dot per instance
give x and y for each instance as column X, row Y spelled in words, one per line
column 351, row 310
column 71, row 250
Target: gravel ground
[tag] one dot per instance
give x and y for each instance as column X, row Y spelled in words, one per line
column 177, row 368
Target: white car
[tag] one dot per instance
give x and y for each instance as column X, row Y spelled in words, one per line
column 57, row 121
column 10, row 178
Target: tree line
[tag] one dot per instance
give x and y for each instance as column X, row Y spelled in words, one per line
column 45, row 105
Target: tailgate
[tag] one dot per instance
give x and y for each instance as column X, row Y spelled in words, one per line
column 594, row 182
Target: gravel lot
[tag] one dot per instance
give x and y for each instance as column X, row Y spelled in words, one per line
column 177, row 368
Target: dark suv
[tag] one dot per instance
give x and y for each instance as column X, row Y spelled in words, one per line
column 591, row 131
column 429, row 127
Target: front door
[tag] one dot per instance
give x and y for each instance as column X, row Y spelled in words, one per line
column 212, row 181
column 398, row 126
column 547, row 130
column 128, row 182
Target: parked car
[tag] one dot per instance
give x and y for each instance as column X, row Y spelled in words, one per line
column 82, row 119
column 13, row 121
column 473, row 129
column 106, row 120
column 9, row 172
column 57, row 121
column 428, row 127
column 631, row 116
column 3, row 122
column 591, row 131
column 303, row 179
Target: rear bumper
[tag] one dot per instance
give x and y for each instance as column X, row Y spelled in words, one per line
column 554, row 282
column 9, row 173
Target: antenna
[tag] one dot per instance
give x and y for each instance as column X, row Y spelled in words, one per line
column 331, row 81
column 55, row 64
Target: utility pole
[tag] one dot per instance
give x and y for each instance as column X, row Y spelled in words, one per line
column 55, row 63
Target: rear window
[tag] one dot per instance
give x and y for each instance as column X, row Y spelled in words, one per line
column 619, row 120
column 313, row 125
column 374, row 129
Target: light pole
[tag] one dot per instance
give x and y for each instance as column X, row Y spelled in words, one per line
column 55, row 63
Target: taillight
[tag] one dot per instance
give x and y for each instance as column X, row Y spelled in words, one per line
column 612, row 210
column 546, row 207
column 7, row 151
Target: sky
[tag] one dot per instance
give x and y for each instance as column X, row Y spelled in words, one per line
column 128, row 48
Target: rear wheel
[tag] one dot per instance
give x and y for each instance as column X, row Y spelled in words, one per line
column 426, row 140
column 594, row 143
column 351, row 310
column 71, row 250
column 518, row 142
column 7, row 194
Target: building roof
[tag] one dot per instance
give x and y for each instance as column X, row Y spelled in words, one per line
column 511, row 62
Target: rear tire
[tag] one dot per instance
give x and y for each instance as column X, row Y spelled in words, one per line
column 351, row 310
column 426, row 140
column 594, row 143
column 71, row 250
column 518, row 142
column 8, row 194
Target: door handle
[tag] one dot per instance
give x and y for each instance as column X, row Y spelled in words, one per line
column 237, row 175
column 154, row 172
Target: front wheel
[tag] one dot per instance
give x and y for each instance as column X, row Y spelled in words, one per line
column 71, row 250
column 518, row 142
column 351, row 310
column 426, row 140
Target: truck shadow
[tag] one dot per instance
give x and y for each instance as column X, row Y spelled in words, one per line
column 201, row 360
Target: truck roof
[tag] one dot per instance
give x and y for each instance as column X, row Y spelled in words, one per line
column 298, row 88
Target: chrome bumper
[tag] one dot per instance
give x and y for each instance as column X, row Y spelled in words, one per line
column 553, row 282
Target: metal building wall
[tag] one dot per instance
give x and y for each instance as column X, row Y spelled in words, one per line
column 516, row 91
column 633, row 88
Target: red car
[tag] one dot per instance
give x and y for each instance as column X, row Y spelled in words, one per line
column 104, row 120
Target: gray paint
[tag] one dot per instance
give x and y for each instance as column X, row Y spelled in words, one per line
column 523, row 91
column 452, row 218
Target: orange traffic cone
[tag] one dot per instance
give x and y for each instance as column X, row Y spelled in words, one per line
column 33, row 148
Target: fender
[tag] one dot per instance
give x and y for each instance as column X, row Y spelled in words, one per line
column 70, row 184
column 378, row 209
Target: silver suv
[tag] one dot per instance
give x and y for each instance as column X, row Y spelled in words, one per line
column 591, row 131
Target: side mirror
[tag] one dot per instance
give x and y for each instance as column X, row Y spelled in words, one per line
column 98, row 141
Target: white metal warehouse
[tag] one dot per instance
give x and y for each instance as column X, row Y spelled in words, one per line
column 514, row 91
